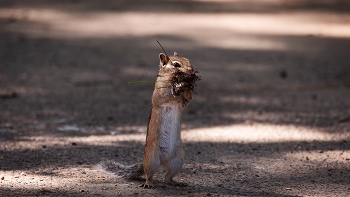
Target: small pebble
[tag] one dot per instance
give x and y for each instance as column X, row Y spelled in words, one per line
column 283, row 74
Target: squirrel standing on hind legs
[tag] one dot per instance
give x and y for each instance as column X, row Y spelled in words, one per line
column 173, row 91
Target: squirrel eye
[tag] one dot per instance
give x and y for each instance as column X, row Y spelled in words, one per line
column 176, row 64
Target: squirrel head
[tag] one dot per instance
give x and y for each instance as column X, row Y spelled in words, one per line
column 176, row 78
column 173, row 64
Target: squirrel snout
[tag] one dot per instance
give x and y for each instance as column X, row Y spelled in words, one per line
column 189, row 72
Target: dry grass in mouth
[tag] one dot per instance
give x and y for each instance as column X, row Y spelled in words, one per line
column 183, row 82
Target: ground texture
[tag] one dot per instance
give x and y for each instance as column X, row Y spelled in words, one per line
column 271, row 117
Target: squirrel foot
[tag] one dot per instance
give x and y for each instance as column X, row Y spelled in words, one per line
column 147, row 185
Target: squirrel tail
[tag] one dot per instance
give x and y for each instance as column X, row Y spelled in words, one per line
column 122, row 171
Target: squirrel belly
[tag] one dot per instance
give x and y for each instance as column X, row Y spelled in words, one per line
column 170, row 139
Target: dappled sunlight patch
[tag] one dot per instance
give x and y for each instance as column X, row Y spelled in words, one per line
column 248, row 132
column 38, row 142
column 259, row 133
column 68, row 181
column 220, row 30
column 48, row 181
column 25, row 180
column 73, row 136
column 321, row 156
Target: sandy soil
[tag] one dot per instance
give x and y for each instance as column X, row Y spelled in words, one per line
column 271, row 117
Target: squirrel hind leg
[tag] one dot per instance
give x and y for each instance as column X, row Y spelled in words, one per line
column 151, row 166
column 149, row 178
column 173, row 167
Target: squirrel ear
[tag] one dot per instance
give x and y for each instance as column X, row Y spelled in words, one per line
column 164, row 59
column 175, row 54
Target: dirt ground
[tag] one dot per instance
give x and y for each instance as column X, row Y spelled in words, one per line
column 271, row 117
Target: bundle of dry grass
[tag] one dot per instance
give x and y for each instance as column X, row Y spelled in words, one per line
column 183, row 82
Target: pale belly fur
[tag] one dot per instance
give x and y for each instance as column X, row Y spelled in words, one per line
column 170, row 138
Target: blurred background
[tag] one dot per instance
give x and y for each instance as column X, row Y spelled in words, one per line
column 272, row 71
column 75, row 59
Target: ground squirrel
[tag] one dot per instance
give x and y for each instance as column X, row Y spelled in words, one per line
column 173, row 91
